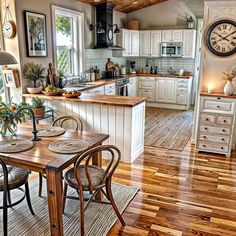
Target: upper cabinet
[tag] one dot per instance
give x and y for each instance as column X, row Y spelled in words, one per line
column 189, row 43
column 172, row 36
column 150, row 43
column 129, row 40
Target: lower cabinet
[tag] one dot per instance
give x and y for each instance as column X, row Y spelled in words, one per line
column 149, row 94
column 132, row 87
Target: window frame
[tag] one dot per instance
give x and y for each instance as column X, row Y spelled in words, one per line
column 77, row 41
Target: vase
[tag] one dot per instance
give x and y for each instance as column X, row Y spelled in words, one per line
column 8, row 128
column 229, row 88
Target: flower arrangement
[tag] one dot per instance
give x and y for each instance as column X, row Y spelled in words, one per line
column 230, row 76
column 10, row 117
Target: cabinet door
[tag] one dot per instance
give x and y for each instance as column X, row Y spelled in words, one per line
column 182, row 98
column 134, row 43
column 149, row 94
column 166, row 36
column 144, row 43
column 189, row 43
column 177, row 36
column 132, row 88
column 155, row 43
column 160, row 90
column 126, row 42
column 170, row 90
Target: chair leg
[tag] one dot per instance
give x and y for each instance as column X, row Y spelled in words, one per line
column 81, row 196
column 5, row 217
column 111, row 199
column 40, row 184
column 64, row 197
column 27, row 194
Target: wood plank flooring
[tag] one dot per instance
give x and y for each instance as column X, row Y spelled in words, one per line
column 181, row 193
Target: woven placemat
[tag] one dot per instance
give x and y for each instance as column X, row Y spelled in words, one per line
column 15, row 145
column 51, row 131
column 68, row 146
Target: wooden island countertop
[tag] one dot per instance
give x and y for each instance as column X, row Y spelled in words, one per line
column 95, row 99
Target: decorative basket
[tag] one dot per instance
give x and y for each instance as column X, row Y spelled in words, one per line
column 39, row 112
column 54, row 93
column 133, row 25
column 68, row 95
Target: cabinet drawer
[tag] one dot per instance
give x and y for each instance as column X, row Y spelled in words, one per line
column 149, row 94
column 147, row 84
column 147, row 79
column 182, row 81
column 215, row 130
column 182, row 89
column 214, row 138
column 99, row 90
column 110, row 86
column 213, row 147
column 182, row 85
column 224, row 120
column 218, row 106
column 206, row 118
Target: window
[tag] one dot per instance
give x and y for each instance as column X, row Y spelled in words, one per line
column 68, row 40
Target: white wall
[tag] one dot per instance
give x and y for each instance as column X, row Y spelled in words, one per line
column 168, row 14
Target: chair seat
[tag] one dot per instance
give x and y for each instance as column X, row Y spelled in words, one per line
column 96, row 175
column 16, row 177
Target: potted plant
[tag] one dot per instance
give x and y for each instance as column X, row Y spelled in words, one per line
column 38, row 107
column 229, row 87
column 34, row 72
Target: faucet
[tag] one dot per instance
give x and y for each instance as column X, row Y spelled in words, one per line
column 35, row 131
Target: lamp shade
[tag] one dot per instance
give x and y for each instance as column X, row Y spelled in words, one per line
column 7, row 59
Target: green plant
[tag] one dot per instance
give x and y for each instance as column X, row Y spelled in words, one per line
column 37, row 103
column 34, row 72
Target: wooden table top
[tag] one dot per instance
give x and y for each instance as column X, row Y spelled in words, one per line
column 95, row 99
column 220, row 95
column 40, row 157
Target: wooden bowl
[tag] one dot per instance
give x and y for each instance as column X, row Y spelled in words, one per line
column 54, row 93
column 68, row 95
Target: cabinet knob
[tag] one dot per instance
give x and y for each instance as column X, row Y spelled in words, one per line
column 218, row 106
column 204, row 145
column 225, row 121
column 204, row 137
column 206, row 128
column 207, row 119
column 222, row 148
column 222, row 139
column 223, row 130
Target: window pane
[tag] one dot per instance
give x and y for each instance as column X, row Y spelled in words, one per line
column 64, row 38
column 64, row 61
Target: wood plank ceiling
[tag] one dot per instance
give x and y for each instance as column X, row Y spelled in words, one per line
column 127, row 6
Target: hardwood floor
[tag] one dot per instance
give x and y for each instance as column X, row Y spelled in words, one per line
column 181, row 193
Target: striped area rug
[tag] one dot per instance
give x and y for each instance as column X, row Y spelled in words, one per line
column 168, row 128
column 99, row 218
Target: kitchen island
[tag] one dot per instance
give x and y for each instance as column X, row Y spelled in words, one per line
column 122, row 118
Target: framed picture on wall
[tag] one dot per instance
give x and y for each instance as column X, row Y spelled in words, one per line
column 36, row 37
column 11, row 78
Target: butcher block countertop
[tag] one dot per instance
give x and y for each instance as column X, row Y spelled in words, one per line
column 161, row 75
column 95, row 98
column 219, row 95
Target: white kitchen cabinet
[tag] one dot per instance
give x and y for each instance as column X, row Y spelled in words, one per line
column 149, row 94
column 150, row 43
column 166, row 90
column 189, row 43
column 147, row 88
column 181, row 98
column 172, row 36
column 110, row 89
column 132, row 87
column 129, row 40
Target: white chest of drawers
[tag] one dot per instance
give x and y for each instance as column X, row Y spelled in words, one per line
column 216, row 123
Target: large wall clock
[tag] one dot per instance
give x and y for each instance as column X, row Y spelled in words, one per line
column 221, row 38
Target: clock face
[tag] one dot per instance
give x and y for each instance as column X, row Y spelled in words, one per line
column 221, row 38
column 9, row 29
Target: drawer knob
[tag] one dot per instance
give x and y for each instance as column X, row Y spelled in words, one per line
column 225, row 121
column 206, row 128
column 222, row 148
column 207, row 119
column 223, row 130
column 204, row 145
column 218, row 106
column 222, row 139
column 204, row 137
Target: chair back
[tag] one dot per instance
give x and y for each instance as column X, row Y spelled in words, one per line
column 73, row 119
column 114, row 156
column 3, row 174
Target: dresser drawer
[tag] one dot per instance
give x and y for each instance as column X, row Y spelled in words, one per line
column 214, row 138
column 215, row 130
column 207, row 118
column 182, row 81
column 224, row 120
column 213, row 147
column 218, row 106
column 182, row 85
column 182, row 90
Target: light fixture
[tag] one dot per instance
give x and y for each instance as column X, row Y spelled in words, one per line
column 7, row 59
column 117, row 30
column 99, row 26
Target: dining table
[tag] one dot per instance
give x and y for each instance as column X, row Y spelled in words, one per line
column 40, row 159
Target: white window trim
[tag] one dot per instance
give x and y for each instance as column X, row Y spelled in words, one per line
column 78, row 25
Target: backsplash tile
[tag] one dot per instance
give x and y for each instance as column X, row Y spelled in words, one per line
column 98, row 57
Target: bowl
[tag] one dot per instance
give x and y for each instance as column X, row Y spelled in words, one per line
column 34, row 90
column 69, row 95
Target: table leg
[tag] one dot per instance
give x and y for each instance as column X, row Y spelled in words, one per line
column 97, row 160
column 54, row 190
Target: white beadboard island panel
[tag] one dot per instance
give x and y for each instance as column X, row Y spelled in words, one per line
column 125, row 125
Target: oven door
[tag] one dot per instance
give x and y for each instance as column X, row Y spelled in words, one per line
column 122, row 90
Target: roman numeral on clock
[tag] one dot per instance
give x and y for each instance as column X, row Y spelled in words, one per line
column 219, row 28
column 233, row 43
column 224, row 27
column 223, row 49
column 214, row 43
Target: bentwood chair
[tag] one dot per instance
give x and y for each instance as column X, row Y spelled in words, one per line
column 60, row 122
column 12, row 178
column 91, row 178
